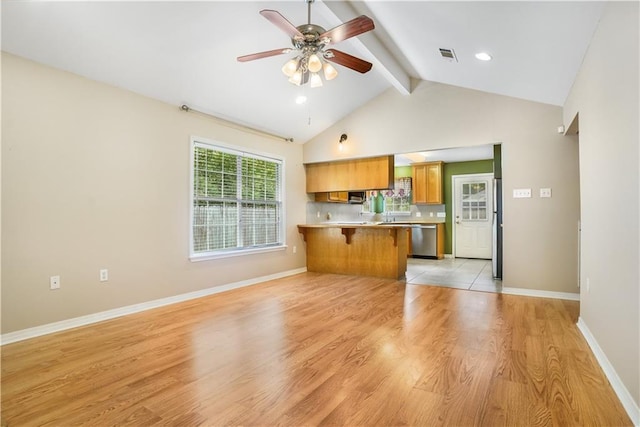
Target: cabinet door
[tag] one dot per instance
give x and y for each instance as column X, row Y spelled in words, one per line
column 333, row 196
column 419, row 190
column 350, row 175
column 375, row 173
column 427, row 183
column 434, row 183
column 327, row 176
column 339, row 196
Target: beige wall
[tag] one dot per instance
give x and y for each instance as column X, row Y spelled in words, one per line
column 540, row 235
column 605, row 95
column 97, row 177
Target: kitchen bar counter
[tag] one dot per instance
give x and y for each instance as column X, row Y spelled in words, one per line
column 359, row 248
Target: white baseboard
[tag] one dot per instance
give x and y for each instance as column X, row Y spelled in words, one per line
column 75, row 322
column 632, row 408
column 541, row 294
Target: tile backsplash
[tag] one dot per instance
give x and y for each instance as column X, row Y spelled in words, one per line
column 318, row 212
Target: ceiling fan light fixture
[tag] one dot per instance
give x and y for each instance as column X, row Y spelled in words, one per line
column 315, row 80
column 290, row 67
column 314, row 63
column 330, row 72
column 296, row 78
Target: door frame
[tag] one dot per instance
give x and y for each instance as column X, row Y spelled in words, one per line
column 453, row 206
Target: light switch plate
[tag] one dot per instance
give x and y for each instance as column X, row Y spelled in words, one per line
column 545, row 192
column 54, row 282
column 522, row 193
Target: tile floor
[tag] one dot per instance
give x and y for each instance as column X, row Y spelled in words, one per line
column 460, row 273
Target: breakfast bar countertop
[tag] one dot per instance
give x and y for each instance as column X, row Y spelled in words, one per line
column 375, row 224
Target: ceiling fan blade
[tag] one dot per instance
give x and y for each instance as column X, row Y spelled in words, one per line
column 265, row 54
column 349, row 29
column 281, row 22
column 346, row 60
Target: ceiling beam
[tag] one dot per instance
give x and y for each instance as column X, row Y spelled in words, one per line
column 383, row 60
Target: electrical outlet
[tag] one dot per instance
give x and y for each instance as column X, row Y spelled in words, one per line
column 441, row 214
column 418, row 214
column 104, row 275
column 545, row 192
column 54, row 282
column 295, row 249
column 522, row 193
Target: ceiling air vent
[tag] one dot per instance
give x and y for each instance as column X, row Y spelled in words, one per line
column 448, row 54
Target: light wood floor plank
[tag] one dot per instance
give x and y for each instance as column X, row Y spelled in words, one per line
column 317, row 349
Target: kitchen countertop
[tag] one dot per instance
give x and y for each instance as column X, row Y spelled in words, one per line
column 375, row 224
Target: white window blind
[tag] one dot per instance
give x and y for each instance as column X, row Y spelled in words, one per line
column 237, row 201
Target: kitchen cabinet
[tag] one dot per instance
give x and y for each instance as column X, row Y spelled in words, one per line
column 333, row 196
column 373, row 173
column 427, row 183
column 356, row 197
column 356, row 249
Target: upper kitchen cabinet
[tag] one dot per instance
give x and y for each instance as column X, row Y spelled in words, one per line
column 373, row 173
column 427, row 183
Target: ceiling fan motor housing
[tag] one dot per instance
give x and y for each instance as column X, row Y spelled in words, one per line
column 311, row 33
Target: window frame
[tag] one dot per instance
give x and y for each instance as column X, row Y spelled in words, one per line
column 235, row 150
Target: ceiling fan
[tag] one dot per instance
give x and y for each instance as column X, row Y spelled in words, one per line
column 310, row 42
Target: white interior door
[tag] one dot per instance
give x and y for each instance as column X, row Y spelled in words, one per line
column 473, row 216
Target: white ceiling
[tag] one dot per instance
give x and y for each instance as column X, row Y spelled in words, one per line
column 447, row 155
column 184, row 52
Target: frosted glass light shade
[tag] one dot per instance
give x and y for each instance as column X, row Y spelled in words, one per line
column 290, row 67
column 296, row 78
column 315, row 80
column 315, row 64
column 330, row 73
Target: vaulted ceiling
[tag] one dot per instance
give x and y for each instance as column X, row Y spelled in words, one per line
column 185, row 52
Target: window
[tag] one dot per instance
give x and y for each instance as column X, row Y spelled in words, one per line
column 398, row 200
column 236, row 201
column 474, row 201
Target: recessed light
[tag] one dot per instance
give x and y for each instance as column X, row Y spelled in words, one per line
column 301, row 99
column 483, row 56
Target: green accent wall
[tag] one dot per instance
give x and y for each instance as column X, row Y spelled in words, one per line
column 460, row 168
column 403, row 172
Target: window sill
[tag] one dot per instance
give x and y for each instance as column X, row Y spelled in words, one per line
column 219, row 255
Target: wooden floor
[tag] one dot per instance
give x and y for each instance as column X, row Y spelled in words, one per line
column 318, row 349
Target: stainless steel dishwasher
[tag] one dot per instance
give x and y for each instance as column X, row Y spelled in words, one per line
column 424, row 240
